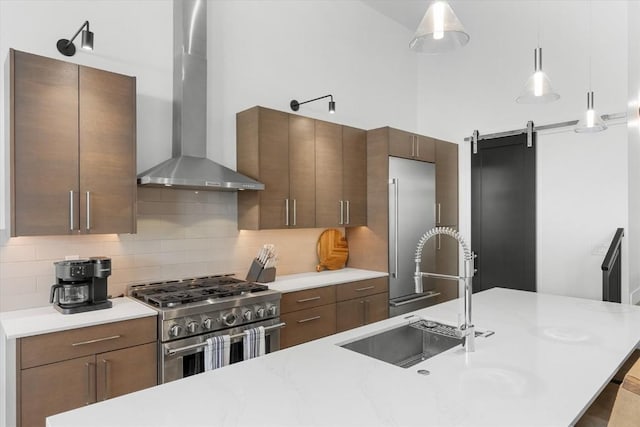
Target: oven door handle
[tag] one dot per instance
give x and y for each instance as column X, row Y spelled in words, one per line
column 172, row 351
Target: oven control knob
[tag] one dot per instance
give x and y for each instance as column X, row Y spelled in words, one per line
column 207, row 323
column 192, row 327
column 260, row 313
column 175, row 330
column 229, row 319
column 273, row 310
column 247, row 315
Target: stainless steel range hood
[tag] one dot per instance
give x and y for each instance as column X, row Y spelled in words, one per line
column 189, row 167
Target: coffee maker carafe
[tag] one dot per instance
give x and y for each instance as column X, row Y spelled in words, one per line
column 82, row 285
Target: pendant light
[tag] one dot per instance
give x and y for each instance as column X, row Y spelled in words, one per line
column 538, row 89
column 591, row 122
column 439, row 31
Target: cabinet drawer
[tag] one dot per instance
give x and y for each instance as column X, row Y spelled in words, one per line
column 48, row 348
column 307, row 325
column 362, row 288
column 294, row 301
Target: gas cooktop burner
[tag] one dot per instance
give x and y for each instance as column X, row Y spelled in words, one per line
column 179, row 292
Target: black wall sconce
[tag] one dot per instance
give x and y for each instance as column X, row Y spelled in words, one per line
column 295, row 105
column 67, row 48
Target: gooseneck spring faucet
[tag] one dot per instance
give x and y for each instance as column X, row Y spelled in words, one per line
column 467, row 330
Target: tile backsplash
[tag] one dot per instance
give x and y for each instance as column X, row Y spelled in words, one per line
column 181, row 233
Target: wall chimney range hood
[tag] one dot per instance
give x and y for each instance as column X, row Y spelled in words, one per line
column 189, row 168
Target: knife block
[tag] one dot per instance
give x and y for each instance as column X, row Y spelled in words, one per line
column 257, row 273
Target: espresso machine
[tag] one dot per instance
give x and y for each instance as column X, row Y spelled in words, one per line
column 81, row 285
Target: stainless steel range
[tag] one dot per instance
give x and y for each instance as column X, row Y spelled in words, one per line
column 192, row 310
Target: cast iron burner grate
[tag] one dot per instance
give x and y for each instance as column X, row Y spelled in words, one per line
column 176, row 293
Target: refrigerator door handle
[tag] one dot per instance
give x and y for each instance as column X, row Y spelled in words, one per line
column 419, row 297
column 395, row 184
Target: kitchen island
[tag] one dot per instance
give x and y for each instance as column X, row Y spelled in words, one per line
column 549, row 358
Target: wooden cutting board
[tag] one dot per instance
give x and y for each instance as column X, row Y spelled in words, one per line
column 333, row 250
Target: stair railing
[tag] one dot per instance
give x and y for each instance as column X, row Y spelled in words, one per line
column 612, row 270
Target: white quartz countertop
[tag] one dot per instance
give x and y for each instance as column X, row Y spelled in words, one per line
column 302, row 281
column 550, row 356
column 42, row 320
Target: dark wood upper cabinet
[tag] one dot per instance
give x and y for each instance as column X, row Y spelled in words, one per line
column 314, row 171
column 341, row 175
column 302, row 171
column 44, row 145
column 354, row 178
column 107, row 152
column 73, row 133
column 446, row 183
column 411, row 146
column 330, row 203
column 276, row 149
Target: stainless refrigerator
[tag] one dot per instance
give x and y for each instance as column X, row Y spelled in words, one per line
column 412, row 201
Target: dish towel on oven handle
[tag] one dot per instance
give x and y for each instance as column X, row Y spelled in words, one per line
column 216, row 352
column 253, row 343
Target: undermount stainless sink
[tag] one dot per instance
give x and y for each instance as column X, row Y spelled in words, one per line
column 408, row 345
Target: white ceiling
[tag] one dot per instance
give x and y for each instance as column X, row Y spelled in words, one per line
column 406, row 12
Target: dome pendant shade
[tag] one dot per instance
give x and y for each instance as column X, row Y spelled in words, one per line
column 538, row 89
column 592, row 122
column 439, row 31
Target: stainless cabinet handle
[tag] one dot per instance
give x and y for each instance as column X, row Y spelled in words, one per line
column 88, row 210
column 286, row 212
column 308, row 299
column 417, row 147
column 71, row 221
column 396, row 189
column 75, row 344
column 106, row 365
column 309, row 319
column 413, row 146
column 88, row 393
column 348, row 213
column 439, row 242
column 365, row 288
column 341, row 212
column 438, row 213
column 295, row 212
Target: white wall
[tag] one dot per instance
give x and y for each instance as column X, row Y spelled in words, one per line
column 260, row 53
column 476, row 87
column 269, row 52
column 634, row 150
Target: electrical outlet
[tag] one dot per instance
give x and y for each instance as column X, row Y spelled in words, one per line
column 71, row 257
column 600, row 249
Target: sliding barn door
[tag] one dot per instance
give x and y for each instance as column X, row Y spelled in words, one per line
column 503, row 213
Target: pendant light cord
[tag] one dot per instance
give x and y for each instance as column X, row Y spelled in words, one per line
column 590, row 39
column 538, row 23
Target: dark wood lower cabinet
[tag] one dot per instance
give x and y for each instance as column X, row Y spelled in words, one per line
column 55, row 388
column 125, row 371
column 361, row 311
column 313, row 313
column 307, row 325
column 58, row 387
column 66, row 370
